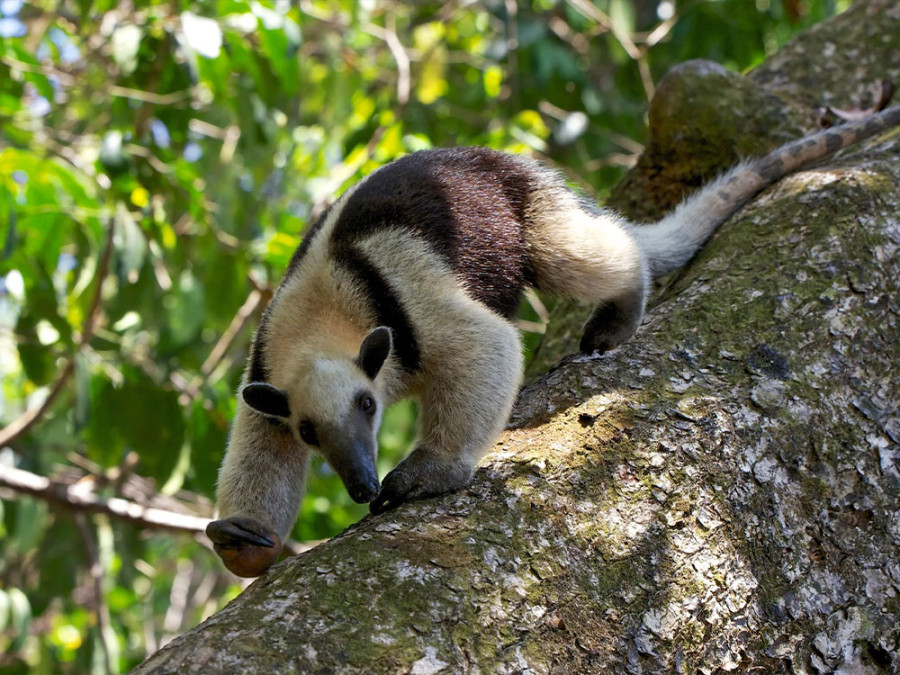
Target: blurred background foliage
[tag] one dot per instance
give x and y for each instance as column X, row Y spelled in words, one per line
column 158, row 164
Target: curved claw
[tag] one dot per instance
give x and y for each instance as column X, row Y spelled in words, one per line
column 384, row 502
column 237, row 533
column 420, row 475
column 244, row 545
column 394, row 491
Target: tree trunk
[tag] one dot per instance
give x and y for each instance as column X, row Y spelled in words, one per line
column 721, row 493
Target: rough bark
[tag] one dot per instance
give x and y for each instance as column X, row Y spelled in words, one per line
column 719, row 494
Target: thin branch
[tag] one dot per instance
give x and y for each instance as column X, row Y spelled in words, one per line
column 240, row 319
column 69, row 81
column 344, row 170
column 151, row 97
column 588, row 10
column 79, row 496
column 29, row 418
column 659, row 33
column 389, row 35
column 98, row 602
column 646, row 77
column 512, row 48
column 179, row 594
column 191, row 389
column 636, row 53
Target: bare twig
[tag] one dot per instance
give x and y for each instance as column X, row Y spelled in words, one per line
column 151, row 97
column 240, row 319
column 80, row 496
column 661, row 31
column 69, row 81
column 389, row 35
column 29, row 418
column 178, row 597
column 646, row 77
column 98, row 602
column 512, row 47
column 637, row 54
column 191, row 389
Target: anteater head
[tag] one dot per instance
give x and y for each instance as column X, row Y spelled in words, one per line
column 333, row 405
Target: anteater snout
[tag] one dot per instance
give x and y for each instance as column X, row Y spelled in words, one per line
column 364, row 491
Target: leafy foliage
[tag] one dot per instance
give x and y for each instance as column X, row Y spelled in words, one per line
column 158, row 164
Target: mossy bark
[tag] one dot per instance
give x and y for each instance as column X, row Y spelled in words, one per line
column 719, row 494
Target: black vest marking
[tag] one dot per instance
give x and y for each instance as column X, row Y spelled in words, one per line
column 383, row 301
column 469, row 204
column 258, row 368
column 306, row 242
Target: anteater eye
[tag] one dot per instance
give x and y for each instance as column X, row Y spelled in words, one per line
column 308, row 432
column 366, row 404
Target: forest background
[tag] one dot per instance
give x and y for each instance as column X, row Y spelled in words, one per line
column 158, row 165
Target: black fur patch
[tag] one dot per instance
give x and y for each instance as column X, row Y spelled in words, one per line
column 833, row 141
column 374, row 351
column 266, row 399
column 259, row 370
column 771, row 168
column 383, row 300
column 306, row 242
column 468, row 203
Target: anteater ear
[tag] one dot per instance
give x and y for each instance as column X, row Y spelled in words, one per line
column 374, row 351
column 266, row 399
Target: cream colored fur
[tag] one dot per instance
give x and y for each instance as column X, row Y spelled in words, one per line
column 264, row 473
column 471, row 357
column 579, row 254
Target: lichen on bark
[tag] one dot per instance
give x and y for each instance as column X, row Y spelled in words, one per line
column 719, row 494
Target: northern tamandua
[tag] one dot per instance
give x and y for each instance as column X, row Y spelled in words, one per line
column 407, row 286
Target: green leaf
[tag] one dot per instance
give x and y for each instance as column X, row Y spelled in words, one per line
column 185, row 313
column 136, row 415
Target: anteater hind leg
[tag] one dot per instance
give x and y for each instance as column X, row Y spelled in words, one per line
column 590, row 256
column 613, row 322
column 467, row 394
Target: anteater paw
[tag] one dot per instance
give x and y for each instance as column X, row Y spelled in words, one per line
column 244, row 545
column 422, row 474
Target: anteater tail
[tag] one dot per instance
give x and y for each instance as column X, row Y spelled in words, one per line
column 671, row 242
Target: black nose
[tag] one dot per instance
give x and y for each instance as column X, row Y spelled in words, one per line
column 364, row 492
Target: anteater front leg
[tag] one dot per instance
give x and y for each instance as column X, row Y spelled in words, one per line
column 468, row 390
column 260, row 486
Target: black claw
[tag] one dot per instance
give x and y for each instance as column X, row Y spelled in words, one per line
column 395, row 489
column 390, row 497
column 238, row 533
column 384, row 502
